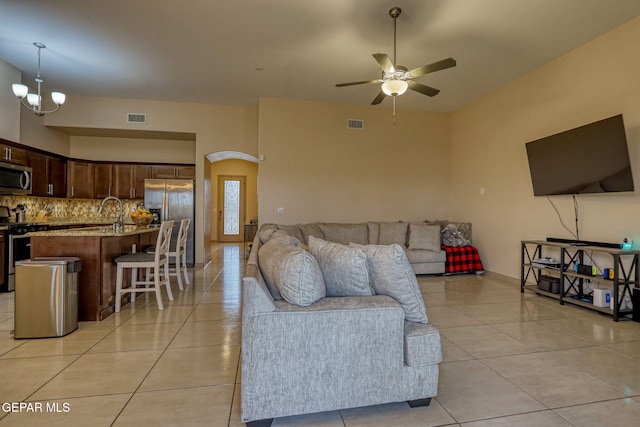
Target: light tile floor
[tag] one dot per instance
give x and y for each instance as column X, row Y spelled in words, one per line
column 509, row 360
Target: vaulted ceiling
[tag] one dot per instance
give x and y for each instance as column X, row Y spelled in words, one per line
column 234, row 52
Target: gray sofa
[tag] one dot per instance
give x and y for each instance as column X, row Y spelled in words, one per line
column 421, row 240
column 334, row 353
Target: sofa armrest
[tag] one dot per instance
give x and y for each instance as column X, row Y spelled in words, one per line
column 338, row 352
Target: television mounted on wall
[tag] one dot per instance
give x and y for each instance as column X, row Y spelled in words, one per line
column 593, row 158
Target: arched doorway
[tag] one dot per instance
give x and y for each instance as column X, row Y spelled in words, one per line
column 233, row 194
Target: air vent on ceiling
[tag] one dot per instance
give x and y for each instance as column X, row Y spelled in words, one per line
column 355, row 124
column 139, row 118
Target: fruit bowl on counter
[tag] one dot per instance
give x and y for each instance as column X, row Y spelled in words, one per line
column 142, row 221
column 141, row 217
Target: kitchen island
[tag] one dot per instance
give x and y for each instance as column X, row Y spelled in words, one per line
column 96, row 247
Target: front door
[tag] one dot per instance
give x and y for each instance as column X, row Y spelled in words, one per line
column 231, row 208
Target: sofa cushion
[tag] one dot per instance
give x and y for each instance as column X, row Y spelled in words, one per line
column 311, row 230
column 392, row 275
column 393, row 232
column 265, row 258
column 292, row 230
column 416, row 256
column 421, row 344
column 344, row 268
column 424, row 236
column 265, row 232
column 345, row 233
column 293, row 272
column 374, row 231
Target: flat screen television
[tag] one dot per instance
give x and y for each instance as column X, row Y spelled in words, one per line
column 593, row 158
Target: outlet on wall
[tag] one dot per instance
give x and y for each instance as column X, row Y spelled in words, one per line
column 280, row 210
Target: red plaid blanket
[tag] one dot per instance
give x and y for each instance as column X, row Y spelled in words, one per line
column 462, row 259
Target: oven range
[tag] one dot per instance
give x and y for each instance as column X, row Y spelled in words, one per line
column 17, row 248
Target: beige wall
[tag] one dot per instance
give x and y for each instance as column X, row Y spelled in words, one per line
column 597, row 80
column 318, row 170
column 236, row 168
column 132, row 149
column 9, row 104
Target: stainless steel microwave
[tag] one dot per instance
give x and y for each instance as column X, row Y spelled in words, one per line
column 15, row 179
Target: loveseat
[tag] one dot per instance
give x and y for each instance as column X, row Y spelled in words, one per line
column 306, row 351
column 420, row 240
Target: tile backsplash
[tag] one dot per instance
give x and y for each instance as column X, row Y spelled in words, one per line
column 65, row 209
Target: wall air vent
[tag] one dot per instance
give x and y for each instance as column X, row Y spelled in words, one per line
column 139, row 118
column 355, row 124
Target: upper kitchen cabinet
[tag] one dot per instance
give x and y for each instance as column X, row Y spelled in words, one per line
column 173, row 171
column 129, row 180
column 49, row 175
column 80, row 179
column 11, row 154
column 102, row 180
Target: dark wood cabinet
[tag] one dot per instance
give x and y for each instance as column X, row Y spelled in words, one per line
column 129, row 180
column 80, row 179
column 173, row 171
column 48, row 176
column 102, row 180
column 11, row 154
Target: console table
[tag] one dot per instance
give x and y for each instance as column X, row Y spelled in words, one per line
column 624, row 263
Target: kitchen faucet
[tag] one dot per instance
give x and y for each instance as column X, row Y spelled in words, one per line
column 118, row 225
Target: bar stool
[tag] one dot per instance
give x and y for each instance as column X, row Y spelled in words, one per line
column 180, row 254
column 153, row 263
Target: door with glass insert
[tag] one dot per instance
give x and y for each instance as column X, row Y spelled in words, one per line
column 231, row 208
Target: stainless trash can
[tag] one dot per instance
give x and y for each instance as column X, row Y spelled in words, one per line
column 46, row 297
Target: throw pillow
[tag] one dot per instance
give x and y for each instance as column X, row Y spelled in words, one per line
column 293, row 271
column 344, row 268
column 393, row 276
column 424, row 236
column 393, row 232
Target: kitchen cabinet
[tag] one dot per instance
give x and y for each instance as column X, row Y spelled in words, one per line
column 129, row 180
column 80, row 179
column 102, row 180
column 97, row 279
column 49, row 175
column 173, row 171
column 11, row 154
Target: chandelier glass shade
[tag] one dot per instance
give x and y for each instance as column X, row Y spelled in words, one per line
column 34, row 100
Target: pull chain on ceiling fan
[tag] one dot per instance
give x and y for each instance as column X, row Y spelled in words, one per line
column 396, row 79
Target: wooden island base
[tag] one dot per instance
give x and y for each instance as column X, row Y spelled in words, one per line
column 97, row 250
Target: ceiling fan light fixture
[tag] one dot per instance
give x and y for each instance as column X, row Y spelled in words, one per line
column 394, row 87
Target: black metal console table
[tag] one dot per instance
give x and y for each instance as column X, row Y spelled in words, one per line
column 625, row 265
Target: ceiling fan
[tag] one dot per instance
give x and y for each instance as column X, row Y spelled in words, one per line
column 396, row 79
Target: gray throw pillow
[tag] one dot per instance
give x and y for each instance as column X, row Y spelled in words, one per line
column 393, row 276
column 293, row 271
column 344, row 268
column 424, row 236
column 393, row 232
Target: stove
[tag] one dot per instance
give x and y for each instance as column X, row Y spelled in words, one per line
column 14, row 246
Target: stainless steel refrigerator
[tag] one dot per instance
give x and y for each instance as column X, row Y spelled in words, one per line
column 172, row 199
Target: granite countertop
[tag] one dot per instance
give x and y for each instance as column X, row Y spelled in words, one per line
column 104, row 231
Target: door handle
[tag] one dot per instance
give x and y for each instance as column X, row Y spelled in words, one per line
column 220, row 215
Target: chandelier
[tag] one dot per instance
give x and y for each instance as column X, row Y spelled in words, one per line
column 34, row 100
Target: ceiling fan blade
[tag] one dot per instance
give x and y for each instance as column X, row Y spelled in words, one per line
column 436, row 66
column 364, row 82
column 385, row 62
column 378, row 99
column 424, row 89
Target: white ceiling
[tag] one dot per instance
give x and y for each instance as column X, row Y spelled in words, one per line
column 207, row 51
